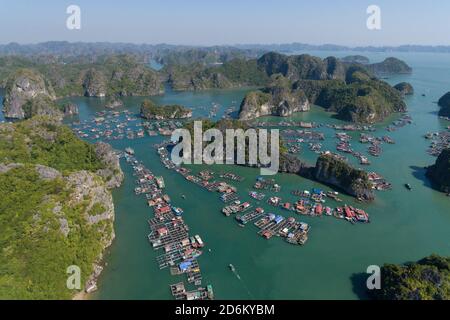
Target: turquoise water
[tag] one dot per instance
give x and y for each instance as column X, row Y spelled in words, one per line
column 404, row 226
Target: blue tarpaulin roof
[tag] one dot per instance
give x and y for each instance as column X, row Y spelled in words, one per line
column 278, row 219
column 185, row 265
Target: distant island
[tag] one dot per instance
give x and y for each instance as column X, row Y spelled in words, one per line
column 163, row 52
column 290, row 83
column 350, row 90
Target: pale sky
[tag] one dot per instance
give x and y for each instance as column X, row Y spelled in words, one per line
column 214, row 22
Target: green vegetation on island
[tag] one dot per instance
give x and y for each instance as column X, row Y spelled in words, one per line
column 28, row 93
column 427, row 279
column 390, row 66
column 56, row 210
column 338, row 173
column 108, row 75
column 405, row 88
column 231, row 74
column 149, row 110
column 280, row 98
column 349, row 90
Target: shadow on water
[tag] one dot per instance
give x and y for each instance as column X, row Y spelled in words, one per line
column 420, row 174
column 359, row 287
column 434, row 112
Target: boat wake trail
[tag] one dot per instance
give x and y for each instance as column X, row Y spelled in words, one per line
column 243, row 283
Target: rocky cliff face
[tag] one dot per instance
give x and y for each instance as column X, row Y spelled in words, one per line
column 439, row 173
column 279, row 99
column 444, row 103
column 27, row 93
column 292, row 164
column 94, row 84
column 255, row 104
column 87, row 185
column 136, row 80
column 111, row 173
column 113, row 103
column 70, row 109
column 67, row 210
column 335, row 172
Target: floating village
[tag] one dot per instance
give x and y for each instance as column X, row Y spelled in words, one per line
column 169, row 235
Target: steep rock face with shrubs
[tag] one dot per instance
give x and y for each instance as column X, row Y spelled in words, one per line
column 350, row 90
column 279, row 99
column 336, row 172
column 149, row 110
column 56, row 208
column 439, row 173
column 27, row 93
column 427, row 279
column 444, row 103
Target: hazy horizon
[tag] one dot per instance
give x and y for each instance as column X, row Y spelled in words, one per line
column 209, row 23
column 224, row 44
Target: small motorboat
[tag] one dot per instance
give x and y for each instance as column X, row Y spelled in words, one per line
column 408, row 186
column 232, row 268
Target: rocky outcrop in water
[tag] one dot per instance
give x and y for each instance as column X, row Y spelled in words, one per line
column 149, row 110
column 405, row 88
column 335, row 172
column 390, row 66
column 113, row 103
column 439, row 173
column 444, row 103
column 27, row 93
